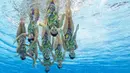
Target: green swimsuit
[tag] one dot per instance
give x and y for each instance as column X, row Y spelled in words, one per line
column 69, row 41
column 47, row 62
column 52, row 18
column 31, row 30
column 46, row 45
column 58, row 53
column 21, row 43
column 70, row 44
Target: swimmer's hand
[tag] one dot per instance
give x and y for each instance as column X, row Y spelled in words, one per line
column 40, row 61
column 34, row 63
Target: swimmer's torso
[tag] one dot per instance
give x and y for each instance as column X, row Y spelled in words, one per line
column 52, row 16
column 69, row 41
column 58, row 53
column 31, row 31
column 32, row 28
column 45, row 43
column 47, row 62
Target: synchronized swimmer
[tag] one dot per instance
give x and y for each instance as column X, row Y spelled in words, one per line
column 55, row 41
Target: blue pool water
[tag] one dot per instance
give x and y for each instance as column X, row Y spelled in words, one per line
column 103, row 40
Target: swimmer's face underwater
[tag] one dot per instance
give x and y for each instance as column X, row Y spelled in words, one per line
column 47, row 69
column 59, row 64
column 47, row 57
column 72, row 55
column 54, row 31
column 22, row 55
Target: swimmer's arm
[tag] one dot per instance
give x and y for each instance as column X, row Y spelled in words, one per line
column 41, row 61
column 63, row 42
column 64, row 54
column 30, row 56
column 40, row 47
column 23, row 34
column 53, row 62
column 54, row 58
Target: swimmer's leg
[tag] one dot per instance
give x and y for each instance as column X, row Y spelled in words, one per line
column 29, row 55
column 65, row 27
column 36, row 54
column 55, row 42
column 69, row 14
column 61, row 21
column 75, row 33
column 63, row 42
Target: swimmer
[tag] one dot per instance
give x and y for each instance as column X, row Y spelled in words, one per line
column 46, row 48
column 21, row 49
column 53, row 19
column 69, row 36
column 59, row 55
column 32, row 35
